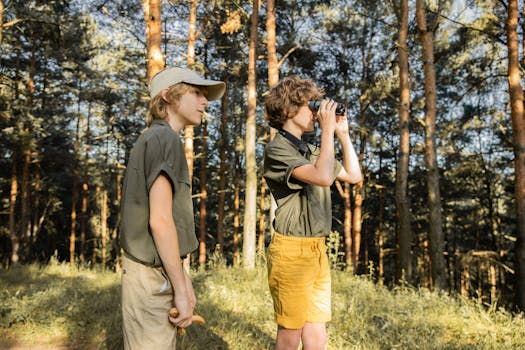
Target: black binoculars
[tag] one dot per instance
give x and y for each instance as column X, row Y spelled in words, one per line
column 339, row 110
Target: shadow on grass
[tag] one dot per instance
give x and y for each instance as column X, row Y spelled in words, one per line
column 82, row 312
column 73, row 312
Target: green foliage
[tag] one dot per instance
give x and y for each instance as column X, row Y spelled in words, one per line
column 58, row 306
column 86, row 60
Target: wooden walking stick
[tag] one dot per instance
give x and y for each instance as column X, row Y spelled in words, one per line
column 195, row 319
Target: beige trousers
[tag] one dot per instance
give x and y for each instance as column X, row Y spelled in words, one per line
column 147, row 297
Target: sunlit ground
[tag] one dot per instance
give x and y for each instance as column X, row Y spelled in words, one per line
column 57, row 307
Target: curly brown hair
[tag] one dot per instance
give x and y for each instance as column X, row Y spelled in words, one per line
column 284, row 100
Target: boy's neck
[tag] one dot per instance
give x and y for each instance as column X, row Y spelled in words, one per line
column 293, row 130
column 175, row 122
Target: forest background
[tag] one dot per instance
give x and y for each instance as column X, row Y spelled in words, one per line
column 434, row 97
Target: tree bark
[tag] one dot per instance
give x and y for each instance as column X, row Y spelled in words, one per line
column 188, row 130
column 222, row 174
column 380, row 238
column 273, row 78
column 404, row 266
column 236, row 214
column 13, row 234
column 104, row 227
column 357, row 216
column 518, row 133
column 35, row 226
column 74, row 196
column 203, row 197
column 1, row 22
column 262, row 218
column 344, row 192
column 114, row 236
column 250, row 201
column 85, row 188
column 436, row 236
column 155, row 59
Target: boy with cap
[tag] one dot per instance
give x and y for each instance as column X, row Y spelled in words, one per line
column 157, row 227
column 299, row 176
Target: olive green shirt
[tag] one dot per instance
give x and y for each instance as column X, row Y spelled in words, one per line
column 158, row 150
column 303, row 210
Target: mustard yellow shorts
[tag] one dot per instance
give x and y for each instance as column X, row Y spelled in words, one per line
column 299, row 280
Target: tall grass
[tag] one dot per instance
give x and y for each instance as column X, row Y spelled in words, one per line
column 58, row 307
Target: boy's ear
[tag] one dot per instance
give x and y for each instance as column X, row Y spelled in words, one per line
column 164, row 95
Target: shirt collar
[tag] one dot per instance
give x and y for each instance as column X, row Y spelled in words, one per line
column 160, row 122
column 301, row 145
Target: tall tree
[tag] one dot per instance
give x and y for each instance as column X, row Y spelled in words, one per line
column 74, row 190
column 435, row 226
column 250, row 201
column 273, row 76
column 155, row 58
column 190, row 56
column 518, row 131
column 13, row 235
column 404, row 243
column 222, row 173
column 1, row 21
column 203, row 196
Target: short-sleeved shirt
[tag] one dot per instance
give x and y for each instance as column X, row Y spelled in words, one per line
column 303, row 210
column 158, row 150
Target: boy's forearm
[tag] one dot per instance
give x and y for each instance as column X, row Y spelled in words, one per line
column 325, row 161
column 350, row 158
column 167, row 243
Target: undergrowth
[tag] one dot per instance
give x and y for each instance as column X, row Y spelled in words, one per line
column 59, row 307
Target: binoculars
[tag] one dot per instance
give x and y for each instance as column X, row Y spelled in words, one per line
column 314, row 107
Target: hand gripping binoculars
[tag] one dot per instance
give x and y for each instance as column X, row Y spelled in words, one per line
column 339, row 110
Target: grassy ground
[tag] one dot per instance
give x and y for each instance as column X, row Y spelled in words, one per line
column 56, row 307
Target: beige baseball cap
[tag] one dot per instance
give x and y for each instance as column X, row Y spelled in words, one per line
column 171, row 76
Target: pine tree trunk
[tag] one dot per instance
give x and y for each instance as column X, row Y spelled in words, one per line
column 273, row 64
column 250, row 201
column 97, row 230
column 85, row 188
column 439, row 280
column 262, row 218
column 188, row 130
column 35, row 227
column 380, row 238
column 236, row 214
column 357, row 218
column 104, row 227
column 404, row 266
column 518, row 133
column 25, row 189
column 73, row 216
column 344, row 192
column 493, row 284
column 76, row 180
column 1, row 22
column 347, row 229
column 13, row 234
column 155, row 59
column 273, row 78
column 203, row 197
column 118, row 185
column 222, row 174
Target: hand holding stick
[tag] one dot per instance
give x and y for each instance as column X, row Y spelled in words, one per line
column 195, row 318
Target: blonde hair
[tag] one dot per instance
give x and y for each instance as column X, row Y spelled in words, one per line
column 284, row 100
column 158, row 104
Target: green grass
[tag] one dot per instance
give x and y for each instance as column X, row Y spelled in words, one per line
column 58, row 307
